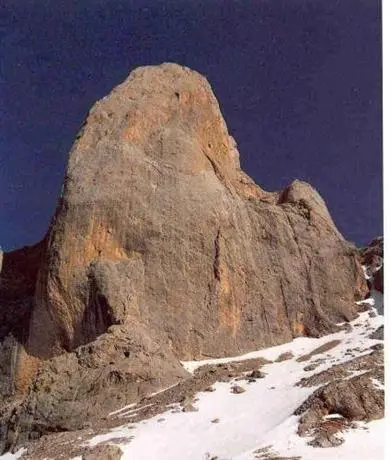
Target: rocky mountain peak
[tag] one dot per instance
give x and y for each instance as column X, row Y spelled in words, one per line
column 163, row 249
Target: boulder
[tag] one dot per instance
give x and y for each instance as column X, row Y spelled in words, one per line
column 103, row 452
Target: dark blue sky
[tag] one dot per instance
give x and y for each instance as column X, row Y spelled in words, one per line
column 299, row 84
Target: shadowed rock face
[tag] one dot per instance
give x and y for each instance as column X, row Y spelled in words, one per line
column 161, row 237
column 372, row 257
column 18, row 274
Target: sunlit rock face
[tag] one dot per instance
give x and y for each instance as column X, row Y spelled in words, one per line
column 157, row 224
column 161, row 249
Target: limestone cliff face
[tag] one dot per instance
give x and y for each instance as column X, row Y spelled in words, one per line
column 161, row 250
column 157, row 224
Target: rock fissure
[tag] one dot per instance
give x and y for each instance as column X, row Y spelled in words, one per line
column 217, row 255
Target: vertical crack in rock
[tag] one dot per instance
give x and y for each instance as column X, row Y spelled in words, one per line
column 216, row 260
column 285, row 301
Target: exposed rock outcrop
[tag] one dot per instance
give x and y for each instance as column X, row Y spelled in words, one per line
column 345, row 399
column 103, row 452
column 372, row 258
column 162, row 249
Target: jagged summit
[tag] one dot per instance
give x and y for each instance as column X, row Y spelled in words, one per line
column 163, row 249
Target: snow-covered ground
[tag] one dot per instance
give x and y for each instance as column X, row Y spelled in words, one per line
column 234, row 426
column 14, row 456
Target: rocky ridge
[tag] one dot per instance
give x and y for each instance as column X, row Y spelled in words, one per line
column 161, row 249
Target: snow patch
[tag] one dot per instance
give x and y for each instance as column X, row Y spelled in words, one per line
column 365, row 270
column 163, row 390
column 377, row 384
column 122, row 432
column 15, row 456
column 369, row 301
column 133, row 412
column 129, row 406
